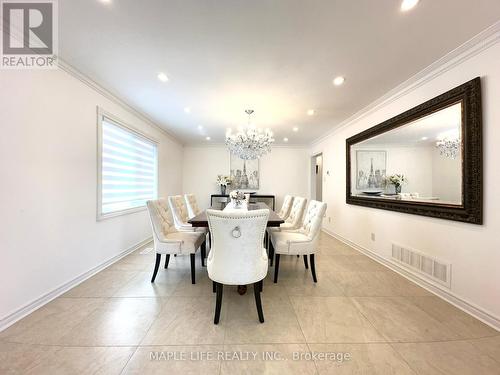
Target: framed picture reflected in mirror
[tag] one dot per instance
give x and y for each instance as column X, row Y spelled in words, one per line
column 425, row 161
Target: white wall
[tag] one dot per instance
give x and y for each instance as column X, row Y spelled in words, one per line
column 413, row 162
column 447, row 177
column 284, row 171
column 416, row 164
column 473, row 251
column 48, row 229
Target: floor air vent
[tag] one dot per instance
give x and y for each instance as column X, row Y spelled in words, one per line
column 425, row 265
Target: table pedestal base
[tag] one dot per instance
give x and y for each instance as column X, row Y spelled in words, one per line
column 242, row 289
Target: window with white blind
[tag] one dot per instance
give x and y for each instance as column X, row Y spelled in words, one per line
column 128, row 169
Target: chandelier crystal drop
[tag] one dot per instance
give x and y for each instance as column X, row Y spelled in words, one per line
column 448, row 148
column 249, row 142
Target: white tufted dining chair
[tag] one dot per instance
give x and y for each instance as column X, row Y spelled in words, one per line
column 292, row 222
column 180, row 213
column 286, row 207
column 237, row 256
column 283, row 213
column 168, row 240
column 302, row 241
column 192, row 205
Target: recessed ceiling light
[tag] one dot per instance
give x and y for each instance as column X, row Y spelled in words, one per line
column 424, row 138
column 162, row 77
column 187, row 110
column 285, row 139
column 310, row 112
column 338, row 81
column 295, row 129
column 105, row 1
column 200, row 127
column 408, row 4
column 207, row 138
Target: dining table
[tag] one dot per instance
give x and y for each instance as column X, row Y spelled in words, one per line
column 274, row 220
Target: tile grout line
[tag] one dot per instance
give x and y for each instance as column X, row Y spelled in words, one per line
column 302, row 330
column 259, row 343
column 128, row 360
column 392, row 344
column 402, row 358
column 366, row 318
column 314, row 362
column 484, row 353
column 409, row 299
column 153, row 321
column 296, row 316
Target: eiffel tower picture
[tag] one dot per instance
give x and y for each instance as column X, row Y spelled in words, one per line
column 370, row 169
column 244, row 173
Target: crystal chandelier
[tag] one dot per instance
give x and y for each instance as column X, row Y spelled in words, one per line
column 449, row 148
column 249, row 142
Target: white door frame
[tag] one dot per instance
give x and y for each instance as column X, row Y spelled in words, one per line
column 313, row 173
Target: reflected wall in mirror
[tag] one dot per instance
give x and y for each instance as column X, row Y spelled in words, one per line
column 426, row 161
column 419, row 161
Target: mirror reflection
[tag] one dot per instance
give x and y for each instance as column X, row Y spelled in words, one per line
column 420, row 161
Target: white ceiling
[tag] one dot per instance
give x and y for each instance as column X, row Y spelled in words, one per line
column 276, row 57
column 425, row 131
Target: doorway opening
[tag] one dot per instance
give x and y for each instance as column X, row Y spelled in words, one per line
column 317, row 177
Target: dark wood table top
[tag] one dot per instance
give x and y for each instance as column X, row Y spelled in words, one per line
column 273, row 221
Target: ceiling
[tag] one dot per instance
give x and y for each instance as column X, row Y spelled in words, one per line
column 276, row 57
column 445, row 123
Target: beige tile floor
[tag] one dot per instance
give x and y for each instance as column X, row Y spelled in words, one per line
column 362, row 317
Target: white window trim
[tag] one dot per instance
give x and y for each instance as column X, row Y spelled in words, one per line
column 101, row 113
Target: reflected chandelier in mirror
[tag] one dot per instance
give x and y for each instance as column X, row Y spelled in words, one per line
column 425, row 161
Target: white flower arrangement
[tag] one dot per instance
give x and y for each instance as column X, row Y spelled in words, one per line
column 223, row 180
column 397, row 179
column 237, row 197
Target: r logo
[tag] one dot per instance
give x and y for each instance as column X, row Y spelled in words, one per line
column 28, row 28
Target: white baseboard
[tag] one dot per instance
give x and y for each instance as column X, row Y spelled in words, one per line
column 13, row 317
column 457, row 301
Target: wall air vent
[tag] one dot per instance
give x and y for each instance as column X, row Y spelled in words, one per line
column 422, row 264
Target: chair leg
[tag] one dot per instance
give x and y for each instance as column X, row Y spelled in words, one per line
column 203, row 253
column 271, row 252
column 305, row 262
column 256, row 291
column 167, row 259
column 193, row 281
column 157, row 265
column 298, row 255
column 218, row 303
column 175, row 255
column 276, row 268
column 214, row 286
column 313, row 268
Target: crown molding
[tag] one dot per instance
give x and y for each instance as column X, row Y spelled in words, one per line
column 298, row 145
column 477, row 44
column 75, row 73
column 204, row 145
column 219, row 145
column 467, row 50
